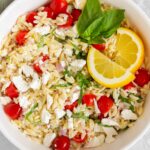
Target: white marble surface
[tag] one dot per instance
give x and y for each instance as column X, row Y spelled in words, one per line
column 143, row 144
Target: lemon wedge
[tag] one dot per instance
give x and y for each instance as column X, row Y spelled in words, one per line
column 129, row 50
column 118, row 70
column 106, row 72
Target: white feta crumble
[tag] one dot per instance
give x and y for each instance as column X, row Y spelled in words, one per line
column 116, row 94
column 69, row 113
column 78, row 64
column 70, row 123
column 5, row 100
column 97, row 111
column 27, row 70
column 45, row 116
column 128, row 115
column 42, row 30
column 96, row 141
column 110, row 132
column 49, row 101
column 63, row 64
column 36, row 83
column 20, row 83
column 48, row 139
column 58, row 52
column 109, row 122
column 24, row 102
column 68, row 51
column 59, row 113
column 75, row 96
column 44, row 50
column 60, row 33
column 79, row 4
column 45, row 77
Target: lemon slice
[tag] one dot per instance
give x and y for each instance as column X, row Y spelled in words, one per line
column 129, row 50
column 106, row 72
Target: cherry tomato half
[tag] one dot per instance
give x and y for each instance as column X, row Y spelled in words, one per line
column 58, row 6
column 78, row 138
column 50, row 13
column 37, row 68
column 105, row 104
column 13, row 110
column 100, row 47
column 129, row 86
column 69, row 22
column 142, row 77
column 76, row 14
column 45, row 57
column 71, row 106
column 11, row 91
column 30, row 18
column 88, row 99
column 20, row 37
column 61, row 143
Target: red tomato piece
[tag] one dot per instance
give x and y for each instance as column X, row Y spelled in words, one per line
column 37, row 68
column 71, row 106
column 58, row 6
column 88, row 99
column 78, row 138
column 11, row 91
column 45, row 57
column 129, row 86
column 13, row 110
column 50, row 13
column 142, row 77
column 101, row 116
column 69, row 22
column 20, row 37
column 105, row 104
column 61, row 143
column 100, row 47
column 30, row 18
column 76, row 14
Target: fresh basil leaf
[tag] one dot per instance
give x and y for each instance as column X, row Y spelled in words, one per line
column 96, row 40
column 91, row 11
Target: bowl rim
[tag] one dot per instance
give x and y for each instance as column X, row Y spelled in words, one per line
column 6, row 11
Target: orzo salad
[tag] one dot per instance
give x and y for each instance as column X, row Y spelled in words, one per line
column 72, row 74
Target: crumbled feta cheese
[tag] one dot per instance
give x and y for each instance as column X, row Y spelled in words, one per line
column 69, row 113
column 5, row 100
column 68, row 52
column 24, row 102
column 27, row 70
column 97, row 111
column 58, row 52
column 49, row 101
column 4, row 53
column 110, row 132
column 59, row 113
column 79, row 4
column 109, row 122
column 75, row 96
column 78, row 64
column 61, row 19
column 20, row 83
column 96, row 141
column 36, row 83
column 44, row 50
column 116, row 94
column 11, row 66
column 45, row 77
column 42, row 30
column 48, row 139
column 70, row 123
column 63, row 64
column 45, row 116
column 128, row 115
column 55, row 45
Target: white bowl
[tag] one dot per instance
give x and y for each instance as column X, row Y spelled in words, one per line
column 138, row 20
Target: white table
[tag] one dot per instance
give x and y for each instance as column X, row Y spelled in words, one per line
column 143, row 144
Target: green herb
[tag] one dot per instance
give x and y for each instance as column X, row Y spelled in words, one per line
column 67, row 72
column 61, row 85
column 31, row 111
column 80, row 115
column 83, row 82
column 94, row 25
column 81, row 55
column 41, row 42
